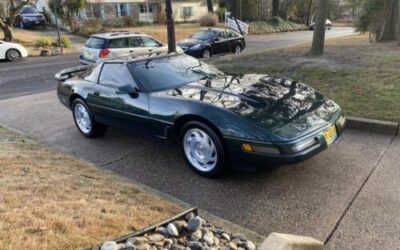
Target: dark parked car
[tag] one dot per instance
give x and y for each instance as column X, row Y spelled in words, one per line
column 213, row 41
column 28, row 17
column 219, row 120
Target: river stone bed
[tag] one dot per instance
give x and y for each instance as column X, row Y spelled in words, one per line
column 190, row 233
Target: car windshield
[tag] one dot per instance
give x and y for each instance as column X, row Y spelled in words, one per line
column 203, row 35
column 171, row 72
column 29, row 10
column 95, row 43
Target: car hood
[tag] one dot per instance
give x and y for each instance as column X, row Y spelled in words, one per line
column 285, row 107
column 188, row 42
column 32, row 15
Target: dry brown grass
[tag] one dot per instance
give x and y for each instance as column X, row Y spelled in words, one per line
column 51, row 201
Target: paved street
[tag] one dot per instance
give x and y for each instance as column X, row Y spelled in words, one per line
column 347, row 196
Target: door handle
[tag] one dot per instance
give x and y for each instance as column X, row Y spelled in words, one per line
column 96, row 93
column 130, row 51
column 150, row 50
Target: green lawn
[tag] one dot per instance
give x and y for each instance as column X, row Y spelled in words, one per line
column 363, row 78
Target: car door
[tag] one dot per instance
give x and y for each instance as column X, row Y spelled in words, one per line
column 2, row 50
column 119, row 47
column 153, row 46
column 136, row 46
column 128, row 112
column 233, row 40
column 220, row 44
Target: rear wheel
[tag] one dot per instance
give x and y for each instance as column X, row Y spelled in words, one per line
column 13, row 55
column 84, row 120
column 203, row 149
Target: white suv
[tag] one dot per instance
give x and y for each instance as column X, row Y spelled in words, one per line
column 119, row 44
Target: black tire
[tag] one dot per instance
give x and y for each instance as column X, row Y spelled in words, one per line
column 96, row 129
column 221, row 162
column 206, row 53
column 238, row 49
column 13, row 55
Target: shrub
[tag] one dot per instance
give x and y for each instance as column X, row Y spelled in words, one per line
column 209, row 20
column 161, row 17
column 65, row 42
column 89, row 27
column 129, row 21
column 43, row 41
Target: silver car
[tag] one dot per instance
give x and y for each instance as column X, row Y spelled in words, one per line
column 119, row 44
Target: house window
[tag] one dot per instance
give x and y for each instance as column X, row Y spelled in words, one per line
column 187, row 12
column 146, row 8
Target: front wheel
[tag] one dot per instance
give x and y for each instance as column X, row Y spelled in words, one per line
column 21, row 25
column 203, row 149
column 84, row 120
column 13, row 55
column 238, row 49
column 206, row 53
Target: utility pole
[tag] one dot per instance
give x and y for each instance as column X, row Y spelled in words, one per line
column 170, row 26
column 58, row 28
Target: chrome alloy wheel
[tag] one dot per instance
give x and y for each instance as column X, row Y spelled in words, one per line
column 82, row 118
column 12, row 55
column 206, row 54
column 200, row 150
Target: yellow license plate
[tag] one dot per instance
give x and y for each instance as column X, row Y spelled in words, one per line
column 330, row 135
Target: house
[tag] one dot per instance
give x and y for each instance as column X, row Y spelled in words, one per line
column 147, row 11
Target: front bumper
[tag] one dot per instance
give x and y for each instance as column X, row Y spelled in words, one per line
column 31, row 23
column 250, row 160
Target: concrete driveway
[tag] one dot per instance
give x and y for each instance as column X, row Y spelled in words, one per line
column 326, row 197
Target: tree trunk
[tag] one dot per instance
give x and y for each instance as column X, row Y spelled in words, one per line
column 317, row 48
column 390, row 24
column 308, row 12
column 275, row 7
column 210, row 6
column 7, row 31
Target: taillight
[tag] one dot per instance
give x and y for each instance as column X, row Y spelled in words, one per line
column 104, row 53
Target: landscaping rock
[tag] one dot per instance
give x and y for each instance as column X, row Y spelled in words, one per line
column 156, row 238
column 162, row 230
column 180, row 225
column 189, row 216
column 208, row 238
column 194, row 224
column 195, row 245
column 226, row 236
column 172, row 230
column 109, row 245
column 232, row 245
column 196, row 235
column 143, row 247
column 250, row 245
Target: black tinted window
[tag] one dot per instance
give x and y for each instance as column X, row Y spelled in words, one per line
column 29, row 10
column 203, row 35
column 221, row 35
column 231, row 34
column 118, row 43
column 171, row 72
column 150, row 42
column 116, row 75
column 95, row 43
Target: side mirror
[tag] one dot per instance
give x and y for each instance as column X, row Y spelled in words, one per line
column 127, row 90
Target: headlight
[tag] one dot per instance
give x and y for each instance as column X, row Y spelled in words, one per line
column 304, row 145
column 197, row 46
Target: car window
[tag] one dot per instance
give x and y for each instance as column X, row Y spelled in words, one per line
column 203, row 35
column 116, row 75
column 93, row 74
column 95, row 43
column 29, row 10
column 150, row 42
column 231, row 34
column 171, row 72
column 118, row 43
column 135, row 42
column 221, row 35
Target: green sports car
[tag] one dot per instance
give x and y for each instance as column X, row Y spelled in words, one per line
column 219, row 120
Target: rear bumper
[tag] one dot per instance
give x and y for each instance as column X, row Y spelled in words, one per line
column 254, row 160
column 85, row 61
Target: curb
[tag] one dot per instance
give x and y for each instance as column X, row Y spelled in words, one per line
column 371, row 125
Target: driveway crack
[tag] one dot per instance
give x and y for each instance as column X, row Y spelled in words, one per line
column 360, row 189
column 122, row 157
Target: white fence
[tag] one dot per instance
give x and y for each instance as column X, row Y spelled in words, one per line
column 235, row 24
